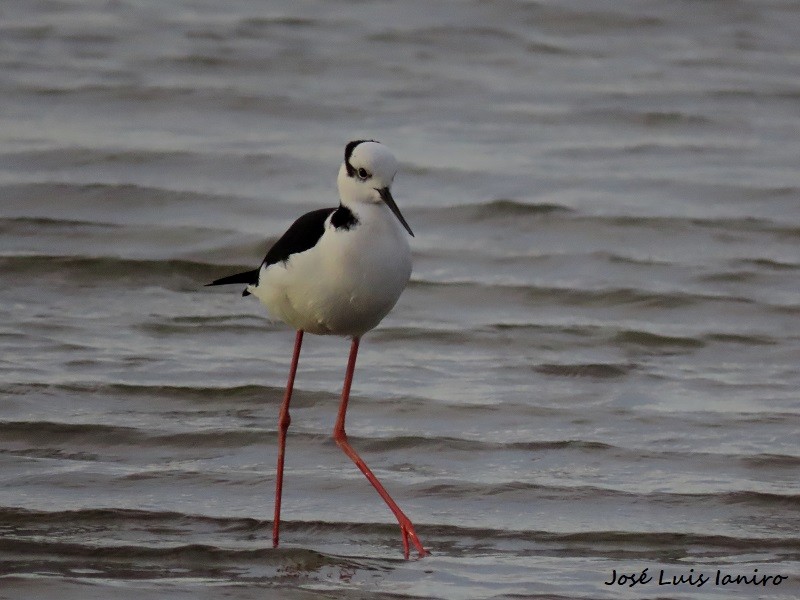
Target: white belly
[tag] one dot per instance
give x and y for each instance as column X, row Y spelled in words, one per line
column 346, row 284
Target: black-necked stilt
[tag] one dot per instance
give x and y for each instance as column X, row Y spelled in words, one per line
column 339, row 271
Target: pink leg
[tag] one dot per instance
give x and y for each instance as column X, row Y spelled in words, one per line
column 283, row 425
column 406, row 527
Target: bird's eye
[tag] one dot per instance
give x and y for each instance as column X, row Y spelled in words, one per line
column 362, row 173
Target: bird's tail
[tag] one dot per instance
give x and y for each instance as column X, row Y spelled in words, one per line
column 248, row 277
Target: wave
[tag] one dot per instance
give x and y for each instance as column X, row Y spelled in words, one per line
column 741, row 338
column 42, row 436
column 769, row 461
column 256, row 532
column 113, row 201
column 471, row 40
column 99, row 271
column 33, row 193
column 599, row 297
column 505, row 208
column 45, row 224
column 170, row 326
column 654, row 340
column 83, row 442
column 50, row 433
column 182, row 275
column 591, row 370
column 531, row 492
column 766, row 263
column 239, row 394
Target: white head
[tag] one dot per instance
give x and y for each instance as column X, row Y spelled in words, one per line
column 366, row 176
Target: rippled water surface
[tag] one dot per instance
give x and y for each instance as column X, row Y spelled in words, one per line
column 593, row 369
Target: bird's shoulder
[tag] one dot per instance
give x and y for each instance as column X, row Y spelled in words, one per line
column 306, row 231
column 302, row 235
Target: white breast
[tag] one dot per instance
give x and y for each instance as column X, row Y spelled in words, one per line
column 347, row 283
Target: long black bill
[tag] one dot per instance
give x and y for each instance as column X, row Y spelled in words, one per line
column 386, row 196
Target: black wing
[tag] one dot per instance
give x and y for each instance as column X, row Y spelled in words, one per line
column 302, row 235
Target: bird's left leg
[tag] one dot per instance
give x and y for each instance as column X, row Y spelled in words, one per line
column 339, row 434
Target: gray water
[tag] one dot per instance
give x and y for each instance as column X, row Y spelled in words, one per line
column 594, row 367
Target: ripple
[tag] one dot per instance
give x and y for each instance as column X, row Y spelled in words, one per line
column 653, row 340
column 591, row 370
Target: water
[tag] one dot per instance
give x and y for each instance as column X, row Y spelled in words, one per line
column 594, row 368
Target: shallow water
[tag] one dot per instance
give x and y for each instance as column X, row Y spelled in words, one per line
column 594, row 367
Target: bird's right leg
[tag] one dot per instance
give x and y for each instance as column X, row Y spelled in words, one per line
column 283, row 425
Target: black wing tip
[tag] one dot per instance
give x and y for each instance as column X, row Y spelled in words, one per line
column 248, row 277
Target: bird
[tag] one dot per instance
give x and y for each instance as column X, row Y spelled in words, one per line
column 339, row 271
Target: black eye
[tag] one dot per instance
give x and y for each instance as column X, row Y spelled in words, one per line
column 362, row 173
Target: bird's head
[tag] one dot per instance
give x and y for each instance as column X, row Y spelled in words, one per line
column 366, row 176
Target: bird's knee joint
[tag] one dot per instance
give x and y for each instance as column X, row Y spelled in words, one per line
column 284, row 421
column 339, row 436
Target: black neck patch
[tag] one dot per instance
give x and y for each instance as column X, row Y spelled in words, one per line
column 343, row 218
column 348, row 152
